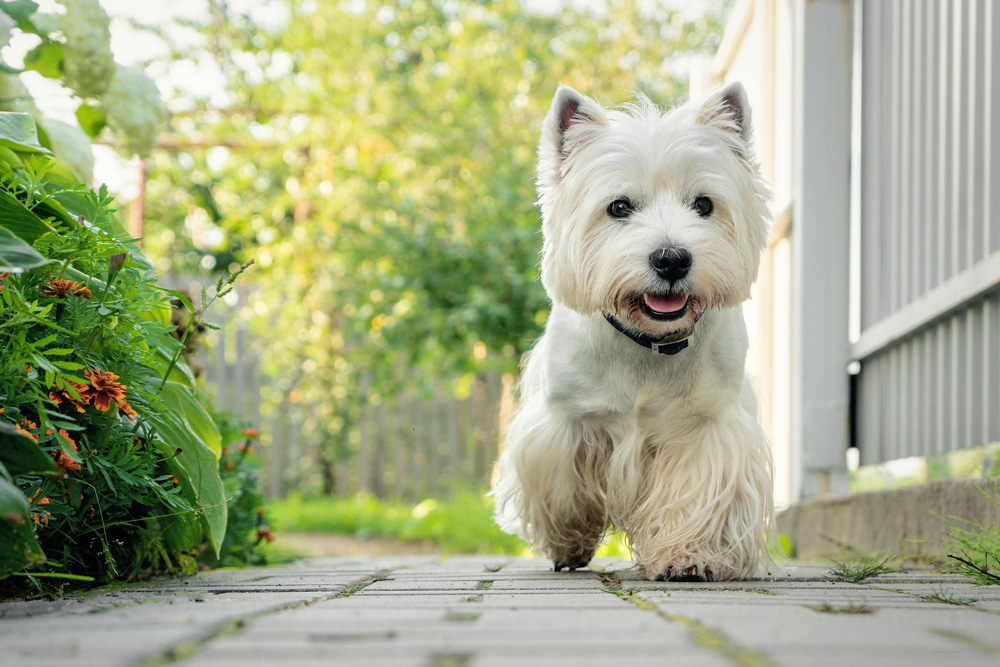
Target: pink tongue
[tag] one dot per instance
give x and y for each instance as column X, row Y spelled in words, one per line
column 666, row 304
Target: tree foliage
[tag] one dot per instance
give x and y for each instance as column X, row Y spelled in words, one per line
column 378, row 161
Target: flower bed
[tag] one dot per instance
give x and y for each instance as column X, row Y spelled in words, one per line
column 111, row 464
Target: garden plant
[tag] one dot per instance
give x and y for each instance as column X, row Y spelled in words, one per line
column 109, row 459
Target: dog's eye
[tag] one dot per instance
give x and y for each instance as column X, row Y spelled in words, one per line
column 620, row 208
column 702, row 206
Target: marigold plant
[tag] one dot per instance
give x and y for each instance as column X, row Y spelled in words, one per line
column 109, row 457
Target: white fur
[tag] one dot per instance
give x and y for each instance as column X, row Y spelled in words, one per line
column 664, row 447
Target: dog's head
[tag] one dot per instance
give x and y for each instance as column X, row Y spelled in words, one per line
column 651, row 217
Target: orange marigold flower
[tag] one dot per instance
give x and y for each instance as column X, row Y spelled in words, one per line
column 104, row 389
column 26, row 427
column 64, row 461
column 177, row 482
column 37, row 515
column 127, row 410
column 64, row 288
column 265, row 534
column 251, row 433
column 59, row 396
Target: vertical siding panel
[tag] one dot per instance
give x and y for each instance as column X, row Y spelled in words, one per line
column 927, row 392
column 959, row 93
column 991, row 343
column 903, row 157
column 974, row 132
column 944, row 146
column 943, row 387
column 895, row 151
column 917, row 157
column 930, row 155
column 959, row 431
column 973, row 360
column 991, row 134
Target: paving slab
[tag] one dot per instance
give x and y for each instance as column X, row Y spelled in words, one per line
column 467, row 611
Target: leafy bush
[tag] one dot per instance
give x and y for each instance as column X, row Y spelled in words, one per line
column 109, row 461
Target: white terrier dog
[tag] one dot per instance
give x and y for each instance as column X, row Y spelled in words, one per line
column 634, row 408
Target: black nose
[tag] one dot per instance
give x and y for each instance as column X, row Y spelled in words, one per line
column 671, row 263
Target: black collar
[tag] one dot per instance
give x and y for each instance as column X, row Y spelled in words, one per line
column 646, row 341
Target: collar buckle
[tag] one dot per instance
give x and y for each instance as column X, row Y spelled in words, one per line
column 646, row 341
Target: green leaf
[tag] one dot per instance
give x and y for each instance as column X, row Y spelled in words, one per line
column 180, row 297
column 181, row 373
column 90, row 119
column 19, row 547
column 197, row 469
column 18, row 132
column 182, row 531
column 20, row 454
column 16, row 256
column 11, row 159
column 181, row 400
column 46, row 59
column 16, row 218
column 19, row 10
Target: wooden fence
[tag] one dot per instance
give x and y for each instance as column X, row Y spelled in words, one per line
column 405, row 448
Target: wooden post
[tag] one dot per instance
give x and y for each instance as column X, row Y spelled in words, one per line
column 137, row 207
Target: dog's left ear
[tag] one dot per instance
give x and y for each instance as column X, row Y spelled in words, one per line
column 573, row 119
column 728, row 108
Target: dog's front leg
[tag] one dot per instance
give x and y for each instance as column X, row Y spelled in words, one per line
column 551, row 485
column 703, row 503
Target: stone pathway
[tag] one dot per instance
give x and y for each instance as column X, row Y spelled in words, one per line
column 499, row 611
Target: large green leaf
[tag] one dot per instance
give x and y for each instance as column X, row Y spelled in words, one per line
column 91, row 119
column 20, row 454
column 15, row 217
column 187, row 408
column 21, row 11
column 196, row 467
column 18, row 132
column 18, row 546
column 17, row 256
column 46, row 59
column 182, row 531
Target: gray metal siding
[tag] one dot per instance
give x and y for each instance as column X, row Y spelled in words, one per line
column 930, row 210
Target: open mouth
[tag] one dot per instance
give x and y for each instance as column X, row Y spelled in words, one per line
column 664, row 307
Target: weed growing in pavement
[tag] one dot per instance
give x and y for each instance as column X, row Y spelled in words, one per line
column 860, row 567
column 978, row 546
column 850, row 608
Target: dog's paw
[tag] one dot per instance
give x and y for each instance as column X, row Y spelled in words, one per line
column 571, row 563
column 691, row 573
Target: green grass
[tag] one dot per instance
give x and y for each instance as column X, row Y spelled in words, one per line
column 860, row 567
column 462, row 523
column 977, row 546
column 947, row 597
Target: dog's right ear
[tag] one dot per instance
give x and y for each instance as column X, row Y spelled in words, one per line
column 572, row 120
